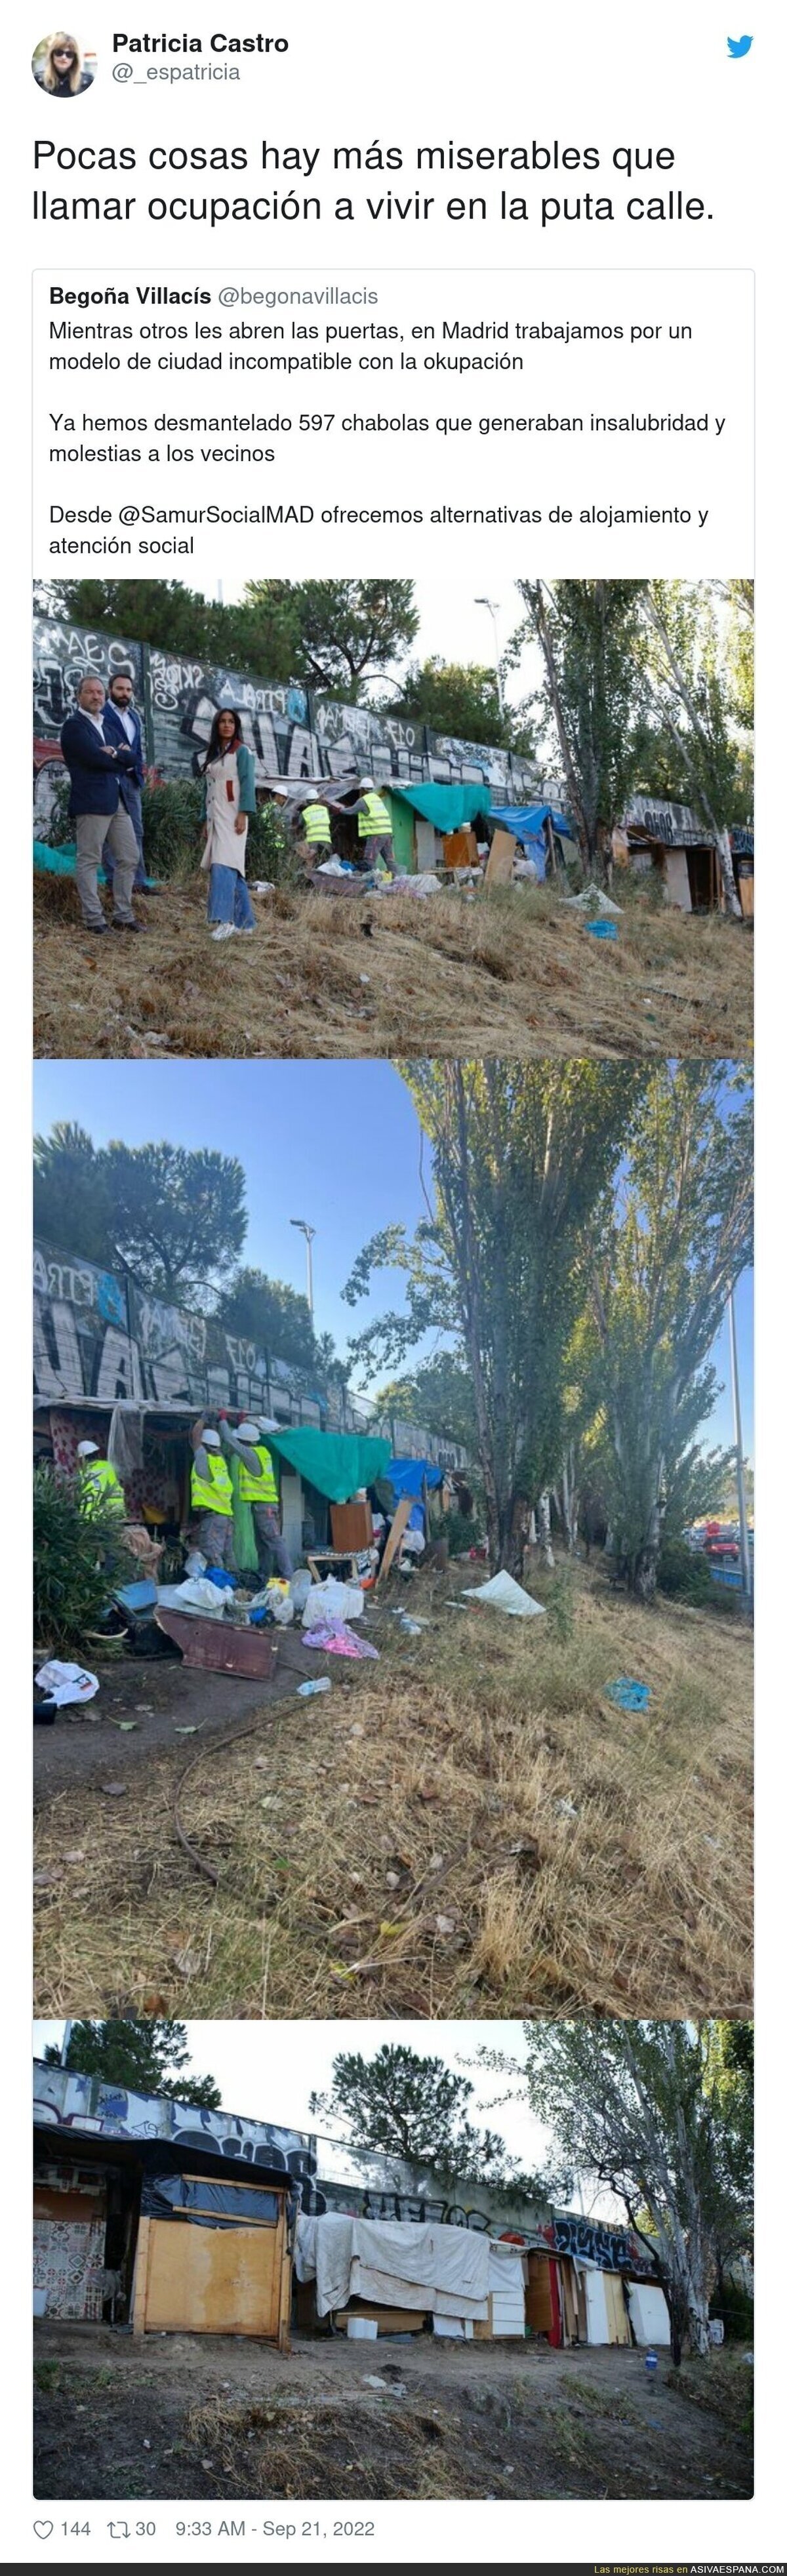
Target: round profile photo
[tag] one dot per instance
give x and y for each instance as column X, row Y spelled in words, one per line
column 62, row 66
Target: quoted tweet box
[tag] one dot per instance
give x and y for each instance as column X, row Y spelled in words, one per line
column 189, row 418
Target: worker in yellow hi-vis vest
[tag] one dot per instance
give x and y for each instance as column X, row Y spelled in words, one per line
column 99, row 1484
column 211, row 1498
column 258, row 1488
column 375, row 829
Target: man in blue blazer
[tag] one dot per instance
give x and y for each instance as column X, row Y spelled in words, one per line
column 122, row 725
column 95, row 769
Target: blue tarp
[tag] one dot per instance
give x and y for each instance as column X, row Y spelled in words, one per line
column 408, row 1475
column 526, row 823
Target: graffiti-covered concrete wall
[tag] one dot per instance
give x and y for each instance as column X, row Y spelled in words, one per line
column 98, row 1336
column 84, row 2107
column 365, row 2184
column 294, row 733
column 183, row 698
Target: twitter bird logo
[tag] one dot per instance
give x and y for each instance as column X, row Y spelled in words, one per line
column 739, row 45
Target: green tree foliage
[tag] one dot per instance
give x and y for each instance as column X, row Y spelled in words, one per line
column 523, row 1154
column 693, row 699
column 72, row 1201
column 593, row 696
column 439, row 1395
column 172, row 1217
column 461, row 698
column 659, row 1270
column 268, row 1313
column 71, row 1551
column 408, row 2106
column 348, row 631
column 140, row 2054
column 656, row 2113
column 332, row 635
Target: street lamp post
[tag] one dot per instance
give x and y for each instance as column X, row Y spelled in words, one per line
column 493, row 606
column 309, row 1232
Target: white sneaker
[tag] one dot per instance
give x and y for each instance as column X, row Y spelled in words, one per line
column 247, row 932
column 224, row 930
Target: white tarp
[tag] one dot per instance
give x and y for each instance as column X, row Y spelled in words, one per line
column 502, row 1593
column 444, row 2269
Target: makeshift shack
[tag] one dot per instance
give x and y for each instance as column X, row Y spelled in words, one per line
column 386, row 2270
column 542, row 835
column 682, row 849
column 153, row 2229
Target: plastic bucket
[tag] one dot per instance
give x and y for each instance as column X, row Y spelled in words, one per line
column 362, row 2329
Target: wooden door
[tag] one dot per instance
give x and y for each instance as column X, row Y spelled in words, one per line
column 617, row 2319
column 213, row 2280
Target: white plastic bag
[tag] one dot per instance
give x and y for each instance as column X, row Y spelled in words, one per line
column 195, row 1561
column 332, row 1600
column 200, row 1594
column 65, row 1683
column 502, row 1593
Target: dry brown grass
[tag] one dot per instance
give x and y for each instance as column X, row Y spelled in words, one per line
column 281, row 2449
column 511, row 973
column 428, row 1769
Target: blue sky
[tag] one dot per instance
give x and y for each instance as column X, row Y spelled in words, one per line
column 337, row 1144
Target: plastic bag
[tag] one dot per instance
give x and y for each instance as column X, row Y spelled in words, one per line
column 195, row 1562
column 199, row 1594
column 65, row 1683
column 502, row 1593
column 332, row 1600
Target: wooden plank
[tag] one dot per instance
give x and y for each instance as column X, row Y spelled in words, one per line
column 499, row 868
column 139, row 2293
column 213, row 2280
column 395, row 1535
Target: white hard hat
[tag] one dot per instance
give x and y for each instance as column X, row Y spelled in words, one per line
column 210, row 1440
column 365, row 784
column 88, row 1449
column 248, row 1431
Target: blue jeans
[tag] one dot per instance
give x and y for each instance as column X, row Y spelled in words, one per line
column 131, row 797
column 229, row 899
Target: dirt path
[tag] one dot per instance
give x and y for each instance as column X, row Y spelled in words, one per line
column 176, row 2415
column 169, row 1710
column 511, row 974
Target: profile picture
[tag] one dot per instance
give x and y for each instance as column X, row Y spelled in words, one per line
column 62, row 66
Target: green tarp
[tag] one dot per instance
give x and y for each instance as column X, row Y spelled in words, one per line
column 337, row 1463
column 447, row 808
column 244, row 1541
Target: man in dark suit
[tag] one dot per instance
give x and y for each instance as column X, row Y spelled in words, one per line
column 95, row 768
column 122, row 725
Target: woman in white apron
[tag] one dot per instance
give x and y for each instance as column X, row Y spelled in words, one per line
column 228, row 773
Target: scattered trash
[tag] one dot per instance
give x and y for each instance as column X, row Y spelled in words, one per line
column 628, row 1694
column 114, row 1788
column 331, row 1637
column 263, row 885
column 308, row 1690
column 444, row 1923
column 332, row 1600
column 187, row 1962
column 502, row 1593
column 392, row 2387
column 651, row 2364
column 196, row 1594
column 66, row 1683
column 590, row 895
column 412, row 1627
column 125, row 1725
column 601, row 929
column 565, row 1807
